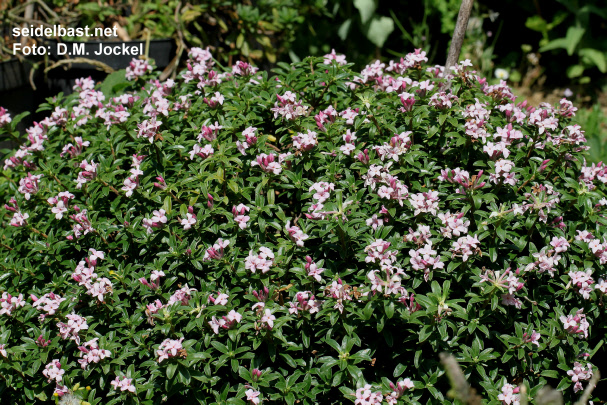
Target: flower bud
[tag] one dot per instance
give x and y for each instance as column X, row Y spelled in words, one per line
column 255, row 375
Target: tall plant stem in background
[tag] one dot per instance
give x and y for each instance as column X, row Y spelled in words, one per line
column 459, row 33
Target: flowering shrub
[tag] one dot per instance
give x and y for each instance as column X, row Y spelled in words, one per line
column 317, row 236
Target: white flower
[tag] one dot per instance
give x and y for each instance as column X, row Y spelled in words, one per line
column 502, row 74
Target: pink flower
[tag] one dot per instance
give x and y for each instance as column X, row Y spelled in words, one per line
column 216, row 100
column 182, row 296
column 305, row 302
column 48, row 303
column 407, row 100
column 202, row 152
column 288, row 107
column 188, row 221
column 253, row 396
column 137, row 68
column 262, row 261
column 267, row 319
column 53, row 371
column 5, row 117
column 241, row 68
column 466, row 246
column 239, row 215
column 149, row 129
column 124, row 384
column 455, row 225
column 534, row 338
column 398, row 145
column 75, row 324
column 76, row 150
column 326, row 116
column 349, row 115
column 170, row 348
column 509, row 395
column 313, row 270
column 209, row 132
column 267, row 163
column 19, row 219
column 89, row 172
column 9, row 303
column 216, row 324
column 91, row 353
column 216, row 252
column 305, row 142
column 296, row 234
column 330, row 57
column 424, row 202
column 425, row 259
column 578, row 374
column 576, row 324
column 29, row 185
column 364, row 396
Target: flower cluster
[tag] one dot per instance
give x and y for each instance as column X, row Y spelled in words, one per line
column 288, row 107
column 91, row 353
column 71, row 329
column 9, row 303
column 296, row 234
column 263, row 260
column 131, row 182
column 123, row 384
column 578, row 374
column 53, row 371
column 170, row 348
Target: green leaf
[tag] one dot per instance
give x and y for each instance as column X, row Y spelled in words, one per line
column 550, row 373
column 168, row 205
column 184, row 375
column 288, row 359
column 379, row 30
column 368, row 310
column 536, row 23
column 114, row 83
column 559, row 43
column 171, row 370
column 596, row 57
column 343, row 30
column 574, row 71
column 366, row 9
column 399, row 370
column 574, row 35
column 389, row 308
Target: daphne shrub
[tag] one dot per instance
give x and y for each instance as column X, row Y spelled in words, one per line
column 312, row 236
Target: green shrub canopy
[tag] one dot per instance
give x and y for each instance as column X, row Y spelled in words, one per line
column 317, row 236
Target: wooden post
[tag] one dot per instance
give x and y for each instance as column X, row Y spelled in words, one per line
column 458, row 34
column 29, row 14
